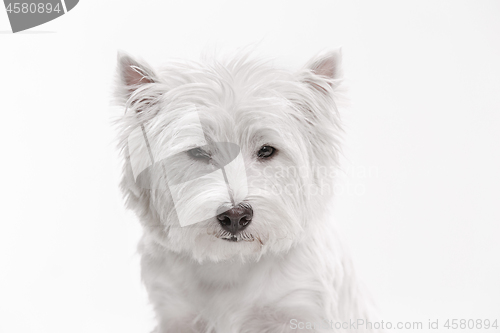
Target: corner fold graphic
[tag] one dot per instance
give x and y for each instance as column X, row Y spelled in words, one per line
column 28, row 14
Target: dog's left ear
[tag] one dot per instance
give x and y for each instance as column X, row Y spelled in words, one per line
column 326, row 69
column 131, row 76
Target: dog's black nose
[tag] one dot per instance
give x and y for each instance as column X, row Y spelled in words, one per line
column 235, row 218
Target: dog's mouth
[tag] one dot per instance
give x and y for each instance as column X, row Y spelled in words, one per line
column 241, row 236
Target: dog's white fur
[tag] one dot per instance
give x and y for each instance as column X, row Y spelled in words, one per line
column 295, row 267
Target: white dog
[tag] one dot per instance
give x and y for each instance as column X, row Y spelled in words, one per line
column 228, row 165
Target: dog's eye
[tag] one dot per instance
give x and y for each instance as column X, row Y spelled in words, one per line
column 266, row 152
column 198, row 154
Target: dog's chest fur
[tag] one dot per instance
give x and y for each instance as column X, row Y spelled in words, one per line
column 263, row 296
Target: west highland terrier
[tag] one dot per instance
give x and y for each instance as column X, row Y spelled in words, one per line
column 228, row 165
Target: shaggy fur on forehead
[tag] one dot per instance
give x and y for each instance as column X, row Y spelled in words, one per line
column 245, row 89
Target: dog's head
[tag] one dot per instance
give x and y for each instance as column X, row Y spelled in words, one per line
column 228, row 159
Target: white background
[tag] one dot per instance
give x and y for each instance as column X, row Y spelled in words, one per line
column 420, row 203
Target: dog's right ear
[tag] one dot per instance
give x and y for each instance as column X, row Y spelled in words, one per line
column 132, row 75
column 326, row 68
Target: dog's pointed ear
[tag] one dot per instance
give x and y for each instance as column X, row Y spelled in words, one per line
column 326, row 67
column 132, row 75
